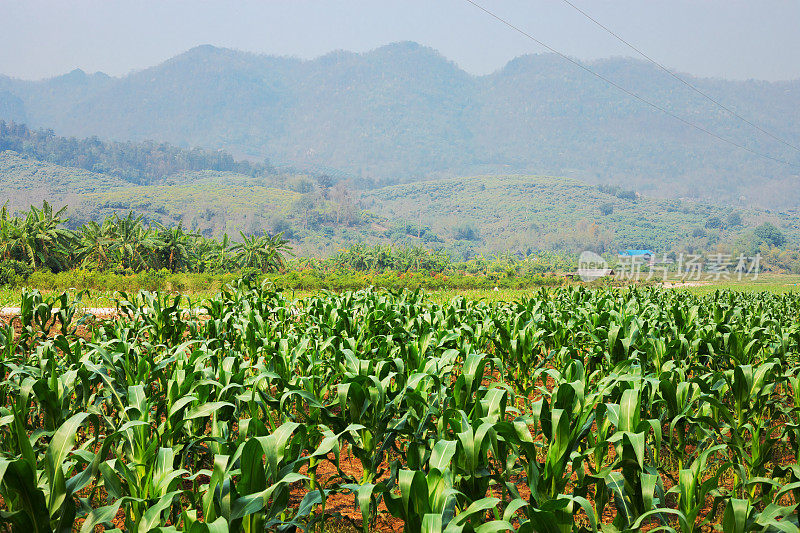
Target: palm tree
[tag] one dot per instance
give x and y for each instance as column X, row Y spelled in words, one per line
column 224, row 258
column 136, row 242
column 97, row 245
column 213, row 255
column 41, row 241
column 10, row 243
column 172, row 247
column 263, row 252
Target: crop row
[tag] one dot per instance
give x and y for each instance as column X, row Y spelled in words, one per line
column 572, row 410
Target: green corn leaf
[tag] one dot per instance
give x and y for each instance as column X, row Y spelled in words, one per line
column 253, row 475
column 100, row 515
column 152, row 516
column 60, row 445
column 252, row 503
column 206, row 410
column 20, row 478
column 431, row 523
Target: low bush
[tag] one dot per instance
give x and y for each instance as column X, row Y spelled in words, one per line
column 13, row 272
column 305, row 280
column 150, row 280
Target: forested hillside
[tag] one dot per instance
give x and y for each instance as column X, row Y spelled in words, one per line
column 465, row 216
column 532, row 213
column 141, row 163
column 207, row 191
column 403, row 112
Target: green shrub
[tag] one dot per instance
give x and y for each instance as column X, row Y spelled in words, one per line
column 771, row 235
column 466, row 232
column 734, row 219
column 14, row 272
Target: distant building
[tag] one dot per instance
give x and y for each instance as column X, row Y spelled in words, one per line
column 647, row 255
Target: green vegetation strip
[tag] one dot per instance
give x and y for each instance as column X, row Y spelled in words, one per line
column 570, row 409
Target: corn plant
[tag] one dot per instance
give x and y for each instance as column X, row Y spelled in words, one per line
column 569, row 410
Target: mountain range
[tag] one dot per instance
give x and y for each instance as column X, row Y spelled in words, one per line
column 403, row 113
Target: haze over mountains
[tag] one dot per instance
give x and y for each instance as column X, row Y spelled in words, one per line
column 403, row 112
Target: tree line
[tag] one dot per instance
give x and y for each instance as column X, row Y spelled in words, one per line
column 37, row 238
column 142, row 163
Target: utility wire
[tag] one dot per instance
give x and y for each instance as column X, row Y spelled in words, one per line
column 680, row 79
column 631, row 93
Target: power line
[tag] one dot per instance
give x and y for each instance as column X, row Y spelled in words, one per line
column 680, row 79
column 631, row 93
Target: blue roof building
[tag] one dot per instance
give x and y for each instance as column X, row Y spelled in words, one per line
column 640, row 253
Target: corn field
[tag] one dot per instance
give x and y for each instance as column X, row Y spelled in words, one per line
column 572, row 410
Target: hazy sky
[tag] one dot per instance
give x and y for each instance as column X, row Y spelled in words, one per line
column 730, row 38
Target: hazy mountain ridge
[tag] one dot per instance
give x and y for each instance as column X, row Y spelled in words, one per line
column 403, row 112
